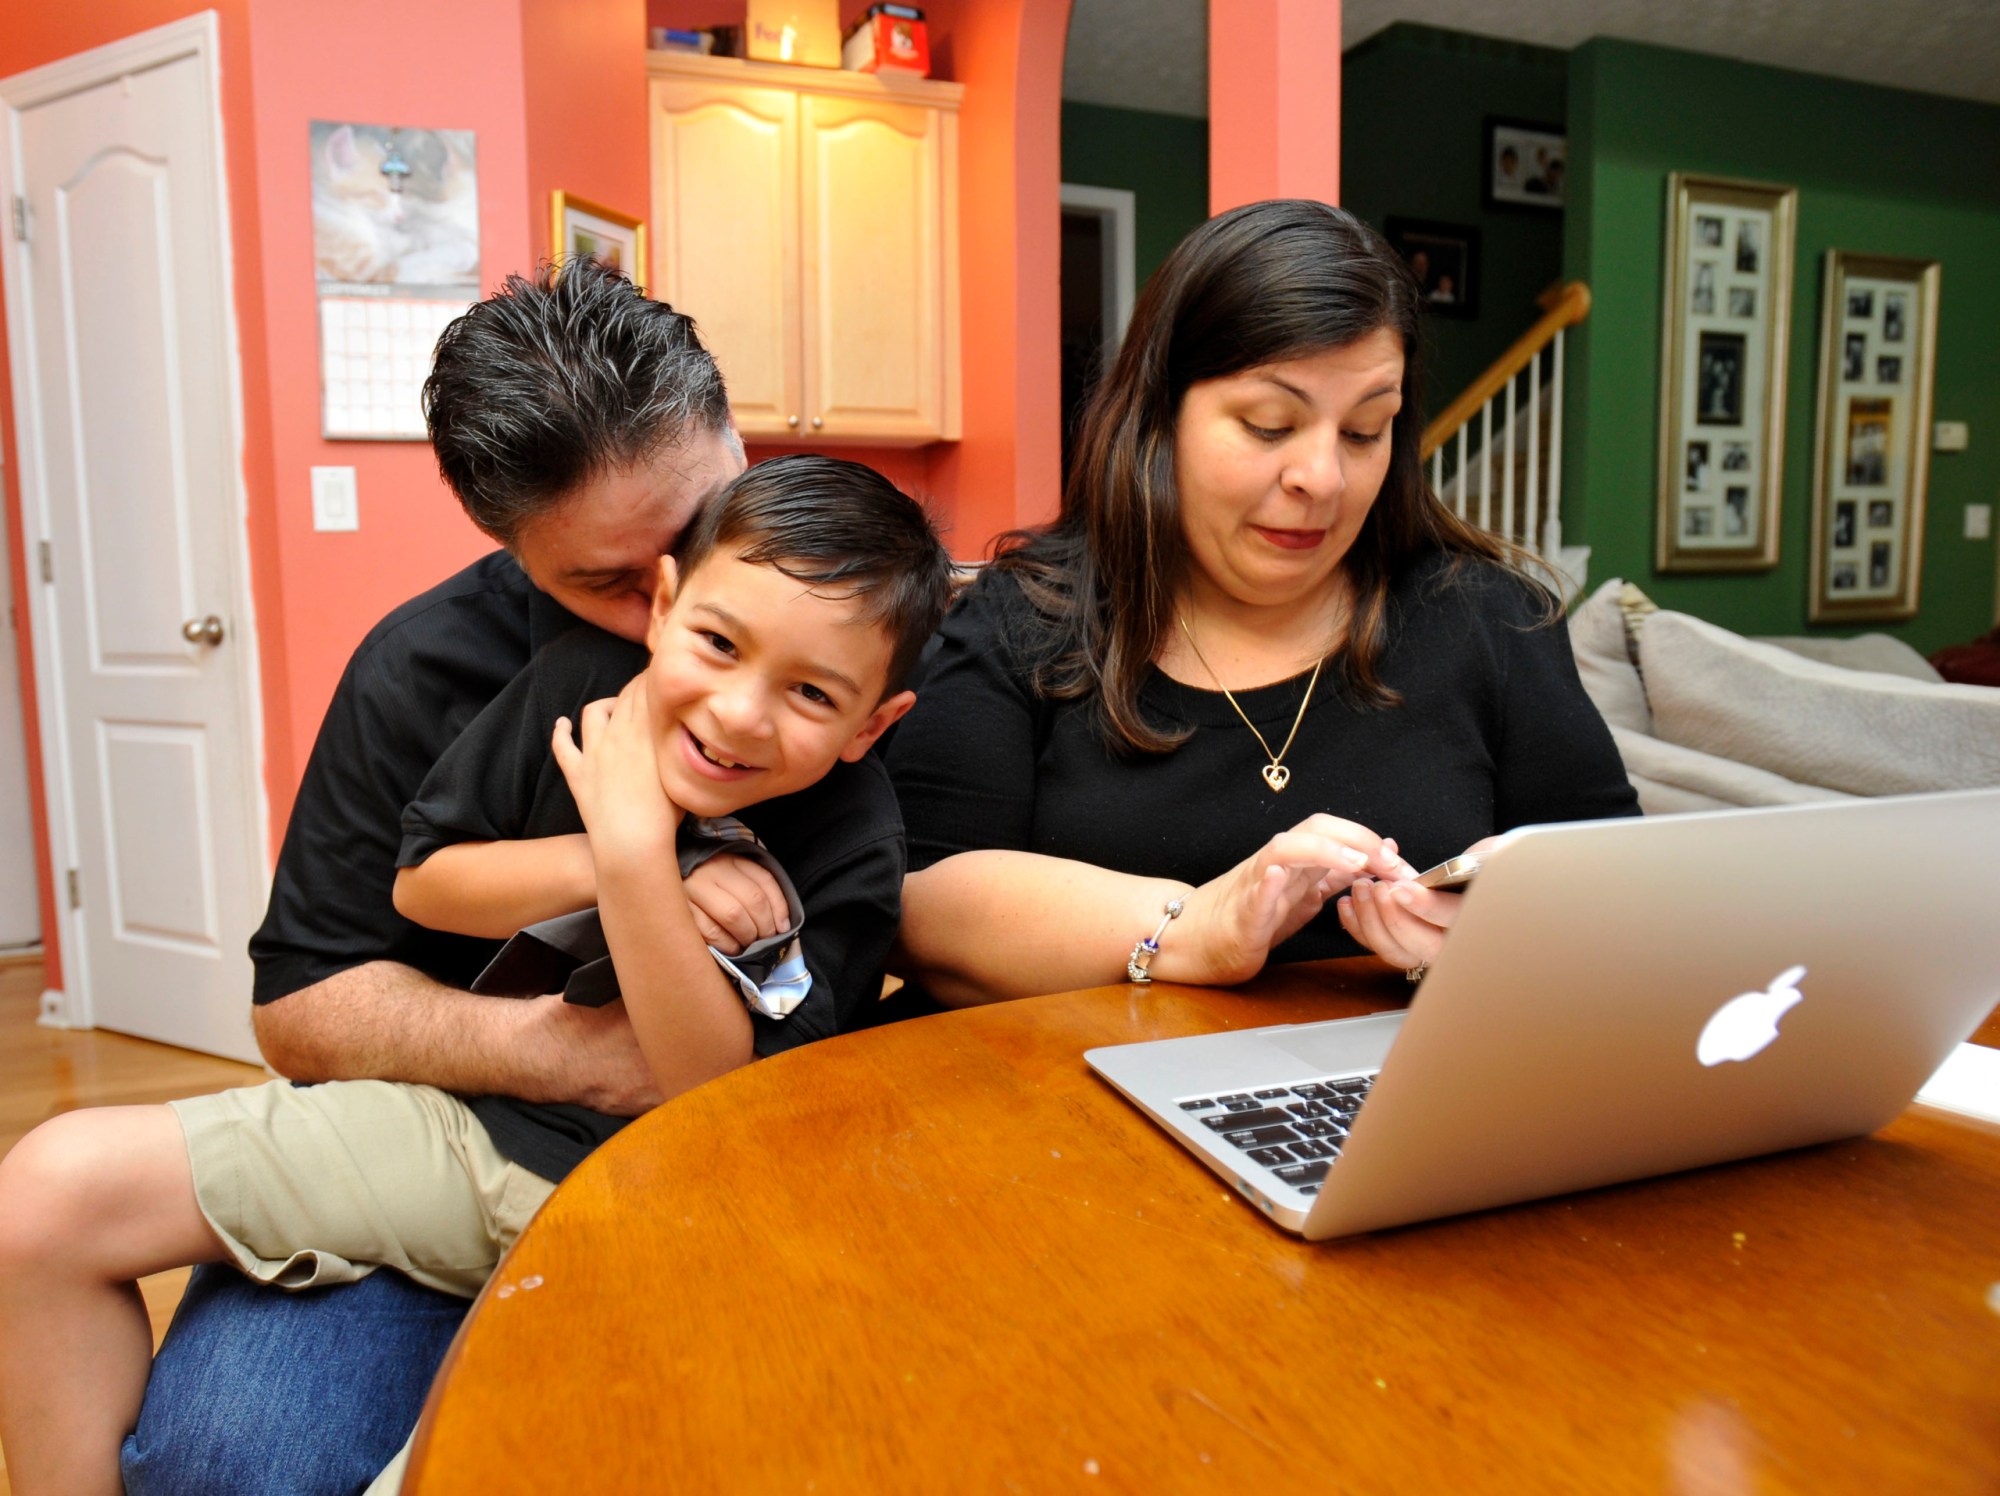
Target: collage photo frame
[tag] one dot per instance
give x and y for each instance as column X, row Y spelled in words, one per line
column 1725, row 345
column 1871, row 455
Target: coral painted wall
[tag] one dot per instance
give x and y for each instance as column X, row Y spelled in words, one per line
column 1273, row 101
column 456, row 64
column 555, row 92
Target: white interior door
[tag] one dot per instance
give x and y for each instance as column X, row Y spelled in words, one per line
column 123, row 349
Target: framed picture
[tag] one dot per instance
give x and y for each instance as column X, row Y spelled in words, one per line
column 1724, row 343
column 581, row 229
column 1444, row 258
column 1525, row 163
column 1871, row 463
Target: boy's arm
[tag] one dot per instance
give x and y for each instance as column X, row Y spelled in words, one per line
column 491, row 889
column 690, row 1023
column 490, row 843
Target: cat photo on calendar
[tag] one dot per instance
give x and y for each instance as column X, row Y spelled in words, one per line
column 395, row 207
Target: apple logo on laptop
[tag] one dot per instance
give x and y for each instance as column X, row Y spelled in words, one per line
column 1745, row 1024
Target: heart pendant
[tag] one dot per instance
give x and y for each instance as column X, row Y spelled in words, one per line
column 1277, row 776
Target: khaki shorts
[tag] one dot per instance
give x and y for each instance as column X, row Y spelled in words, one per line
column 308, row 1185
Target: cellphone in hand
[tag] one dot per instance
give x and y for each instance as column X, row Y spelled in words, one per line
column 1454, row 872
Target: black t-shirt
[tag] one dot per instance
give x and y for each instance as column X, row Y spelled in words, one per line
column 420, row 676
column 1494, row 732
column 840, row 841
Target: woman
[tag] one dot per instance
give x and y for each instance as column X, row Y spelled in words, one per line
column 1252, row 664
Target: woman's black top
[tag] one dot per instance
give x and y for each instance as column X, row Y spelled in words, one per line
column 1494, row 731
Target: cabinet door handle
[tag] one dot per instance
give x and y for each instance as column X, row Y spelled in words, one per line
column 817, row 423
column 202, row 630
column 793, row 422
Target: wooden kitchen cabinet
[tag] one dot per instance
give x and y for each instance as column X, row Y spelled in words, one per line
column 808, row 221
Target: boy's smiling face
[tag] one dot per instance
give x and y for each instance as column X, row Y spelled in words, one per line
column 758, row 684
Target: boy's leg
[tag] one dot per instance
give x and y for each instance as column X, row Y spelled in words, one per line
column 311, row 1185
column 261, row 1392
column 89, row 1203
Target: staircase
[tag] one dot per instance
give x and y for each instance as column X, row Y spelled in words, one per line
column 1495, row 453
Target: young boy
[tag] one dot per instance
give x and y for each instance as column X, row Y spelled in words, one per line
column 775, row 656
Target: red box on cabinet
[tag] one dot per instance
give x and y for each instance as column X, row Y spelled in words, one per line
column 888, row 38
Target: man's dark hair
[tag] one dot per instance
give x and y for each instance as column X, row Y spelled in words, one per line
column 549, row 382
column 845, row 531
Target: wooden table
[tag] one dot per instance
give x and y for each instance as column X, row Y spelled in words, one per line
column 942, row 1256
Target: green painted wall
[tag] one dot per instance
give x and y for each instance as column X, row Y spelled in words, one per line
column 1160, row 158
column 1879, row 171
column 1413, row 107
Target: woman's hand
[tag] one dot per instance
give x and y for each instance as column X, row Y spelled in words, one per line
column 1400, row 922
column 735, row 902
column 615, row 777
column 1230, row 924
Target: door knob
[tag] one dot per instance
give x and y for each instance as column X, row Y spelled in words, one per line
column 817, row 423
column 793, row 422
column 202, row 630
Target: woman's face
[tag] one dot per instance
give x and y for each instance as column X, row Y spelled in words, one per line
column 1279, row 465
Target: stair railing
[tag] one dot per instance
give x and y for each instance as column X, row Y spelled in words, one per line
column 1481, row 486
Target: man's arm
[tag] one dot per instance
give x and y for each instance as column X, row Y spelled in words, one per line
column 387, row 1021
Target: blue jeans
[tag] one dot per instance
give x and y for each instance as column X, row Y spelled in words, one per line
column 257, row 1391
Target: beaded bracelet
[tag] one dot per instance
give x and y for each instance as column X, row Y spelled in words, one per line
column 1137, row 964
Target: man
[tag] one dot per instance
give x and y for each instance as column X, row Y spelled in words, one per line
column 581, row 426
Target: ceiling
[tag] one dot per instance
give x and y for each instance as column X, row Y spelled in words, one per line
column 1153, row 54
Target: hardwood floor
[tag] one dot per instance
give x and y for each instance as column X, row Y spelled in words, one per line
column 46, row 1071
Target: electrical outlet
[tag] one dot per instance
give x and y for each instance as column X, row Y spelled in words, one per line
column 1978, row 521
column 1951, row 436
column 336, row 505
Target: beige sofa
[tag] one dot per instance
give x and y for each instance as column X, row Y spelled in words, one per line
column 1706, row 719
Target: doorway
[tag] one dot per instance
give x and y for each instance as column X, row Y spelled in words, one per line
column 128, row 417
column 20, row 910
column 1098, row 253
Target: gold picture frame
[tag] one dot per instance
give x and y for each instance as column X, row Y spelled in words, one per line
column 1725, row 345
column 1871, row 435
column 579, row 227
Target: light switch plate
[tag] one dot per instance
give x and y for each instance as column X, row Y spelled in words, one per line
column 336, row 505
column 1951, row 436
column 1978, row 521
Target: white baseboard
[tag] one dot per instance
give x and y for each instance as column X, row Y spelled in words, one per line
column 55, row 1009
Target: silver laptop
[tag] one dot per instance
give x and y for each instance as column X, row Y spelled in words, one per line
column 1619, row 999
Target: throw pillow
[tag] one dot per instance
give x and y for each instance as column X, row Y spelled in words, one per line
column 1861, row 732
column 1878, row 652
column 1635, row 608
column 1597, row 638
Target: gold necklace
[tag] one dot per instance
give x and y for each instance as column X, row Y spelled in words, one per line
column 1276, row 775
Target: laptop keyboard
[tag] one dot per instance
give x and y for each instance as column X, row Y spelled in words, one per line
column 1294, row 1131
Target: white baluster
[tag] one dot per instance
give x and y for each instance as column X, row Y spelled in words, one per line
column 1552, row 535
column 1507, row 472
column 1459, row 507
column 1534, row 446
column 1437, row 471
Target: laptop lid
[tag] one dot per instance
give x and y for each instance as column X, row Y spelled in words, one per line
column 1627, row 998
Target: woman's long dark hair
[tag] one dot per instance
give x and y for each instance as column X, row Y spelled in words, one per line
column 1258, row 285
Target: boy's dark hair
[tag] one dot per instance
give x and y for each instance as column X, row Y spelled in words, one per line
column 547, row 383
column 841, row 527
